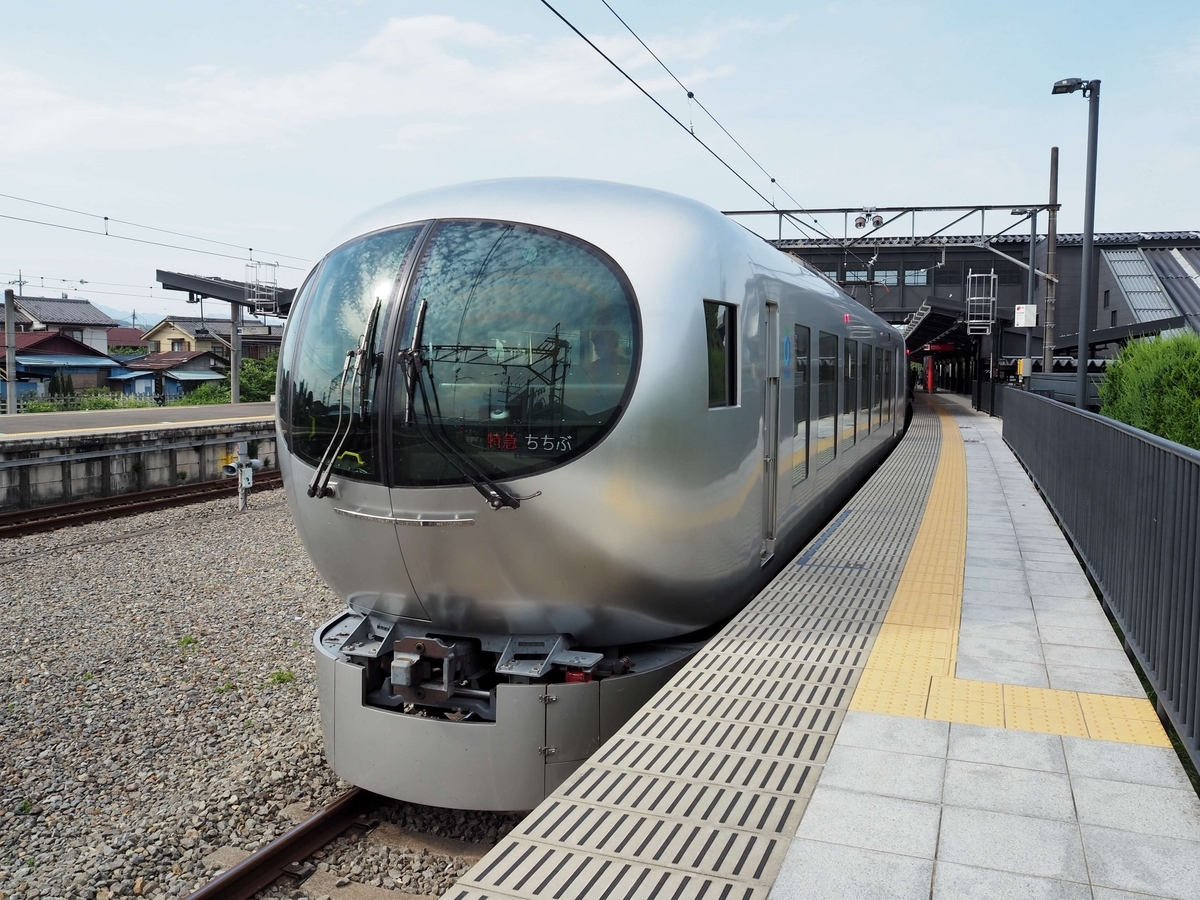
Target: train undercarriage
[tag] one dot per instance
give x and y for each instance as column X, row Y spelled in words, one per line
column 475, row 721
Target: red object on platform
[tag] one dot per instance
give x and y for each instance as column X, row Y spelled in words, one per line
column 578, row 676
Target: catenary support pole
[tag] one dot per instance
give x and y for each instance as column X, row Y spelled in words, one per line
column 1028, row 364
column 10, row 353
column 1051, row 262
column 1087, row 282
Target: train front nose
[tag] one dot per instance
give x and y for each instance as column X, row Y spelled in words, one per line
column 428, row 367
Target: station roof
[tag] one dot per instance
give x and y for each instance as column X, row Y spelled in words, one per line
column 1179, row 270
column 924, row 242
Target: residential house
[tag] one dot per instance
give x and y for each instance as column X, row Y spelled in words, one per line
column 180, row 334
column 171, row 374
column 43, row 354
column 72, row 316
column 127, row 338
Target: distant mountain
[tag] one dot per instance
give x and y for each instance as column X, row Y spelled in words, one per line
column 125, row 317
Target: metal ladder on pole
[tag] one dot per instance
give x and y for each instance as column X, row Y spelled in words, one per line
column 262, row 287
column 981, row 302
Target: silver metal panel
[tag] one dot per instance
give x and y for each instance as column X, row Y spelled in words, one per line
column 479, row 765
column 700, row 793
column 572, row 720
column 351, row 539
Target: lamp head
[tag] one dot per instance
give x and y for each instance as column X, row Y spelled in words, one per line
column 1067, row 86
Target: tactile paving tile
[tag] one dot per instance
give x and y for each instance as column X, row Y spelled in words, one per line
column 700, row 793
column 912, row 662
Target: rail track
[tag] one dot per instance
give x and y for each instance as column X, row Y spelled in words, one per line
column 46, row 518
column 282, row 856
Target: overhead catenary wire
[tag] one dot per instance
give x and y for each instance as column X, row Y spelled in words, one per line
column 182, row 234
column 125, row 237
column 694, row 99
column 672, row 116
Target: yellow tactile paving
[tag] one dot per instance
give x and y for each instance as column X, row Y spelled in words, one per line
column 911, row 668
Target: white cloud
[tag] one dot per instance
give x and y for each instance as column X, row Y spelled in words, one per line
column 435, row 69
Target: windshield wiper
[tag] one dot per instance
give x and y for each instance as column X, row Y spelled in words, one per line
column 359, row 360
column 414, row 362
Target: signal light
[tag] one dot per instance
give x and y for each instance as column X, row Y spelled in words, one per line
column 860, row 221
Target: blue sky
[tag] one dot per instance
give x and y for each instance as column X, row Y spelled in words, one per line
column 269, row 124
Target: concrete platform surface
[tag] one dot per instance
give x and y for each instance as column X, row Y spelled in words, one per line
column 980, row 795
column 102, row 420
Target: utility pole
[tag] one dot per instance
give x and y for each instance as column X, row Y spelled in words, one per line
column 235, row 352
column 10, row 352
column 1051, row 262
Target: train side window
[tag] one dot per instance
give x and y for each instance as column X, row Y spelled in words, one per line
column 720, row 324
column 888, row 389
column 801, row 404
column 827, row 395
column 850, row 394
column 878, row 386
column 864, row 393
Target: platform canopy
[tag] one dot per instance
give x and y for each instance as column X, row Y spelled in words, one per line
column 204, row 288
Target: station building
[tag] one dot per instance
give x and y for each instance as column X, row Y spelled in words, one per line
column 1146, row 283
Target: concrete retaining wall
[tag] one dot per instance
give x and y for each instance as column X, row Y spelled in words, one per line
column 56, row 468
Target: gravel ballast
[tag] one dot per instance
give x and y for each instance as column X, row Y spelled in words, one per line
column 158, row 702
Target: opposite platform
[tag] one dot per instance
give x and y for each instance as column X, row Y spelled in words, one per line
column 120, row 420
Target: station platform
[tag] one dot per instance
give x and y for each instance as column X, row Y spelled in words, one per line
column 55, row 458
column 110, row 420
column 929, row 701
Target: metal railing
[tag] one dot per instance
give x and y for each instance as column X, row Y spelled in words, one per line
column 1130, row 503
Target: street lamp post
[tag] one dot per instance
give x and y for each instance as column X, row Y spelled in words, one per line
column 1091, row 90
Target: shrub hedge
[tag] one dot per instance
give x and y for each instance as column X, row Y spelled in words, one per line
column 1154, row 385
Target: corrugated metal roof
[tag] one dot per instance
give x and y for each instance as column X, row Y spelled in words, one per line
column 193, row 375
column 1143, row 292
column 125, row 376
column 65, row 361
column 65, row 311
column 1178, row 268
column 955, row 240
column 169, row 359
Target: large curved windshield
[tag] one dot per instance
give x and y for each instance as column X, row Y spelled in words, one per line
column 528, row 345
column 332, row 392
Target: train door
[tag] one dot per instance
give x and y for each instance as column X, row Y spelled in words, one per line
column 770, row 505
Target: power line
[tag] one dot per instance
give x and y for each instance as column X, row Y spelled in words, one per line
column 692, row 96
column 182, row 234
column 651, row 98
column 122, row 237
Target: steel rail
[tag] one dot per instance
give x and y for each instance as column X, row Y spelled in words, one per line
column 260, row 869
column 58, row 515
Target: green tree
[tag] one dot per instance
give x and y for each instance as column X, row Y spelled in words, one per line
column 258, row 378
column 61, row 384
column 1154, row 385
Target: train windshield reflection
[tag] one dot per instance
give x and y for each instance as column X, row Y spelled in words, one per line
column 528, row 347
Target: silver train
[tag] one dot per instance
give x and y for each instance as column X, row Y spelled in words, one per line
column 544, row 436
